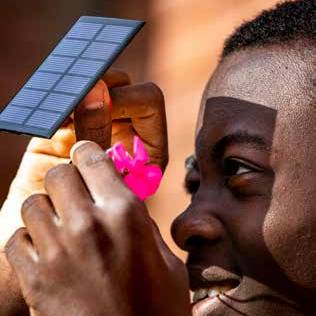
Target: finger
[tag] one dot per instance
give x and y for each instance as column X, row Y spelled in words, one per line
column 75, row 207
column 97, row 170
column 68, row 194
column 170, row 258
column 137, row 101
column 92, row 116
column 41, row 223
column 21, row 255
column 162, row 245
column 123, row 131
column 144, row 105
column 119, row 212
column 58, row 146
column 116, row 78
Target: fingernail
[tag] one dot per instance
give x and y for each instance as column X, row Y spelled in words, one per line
column 93, row 106
column 76, row 146
column 110, row 104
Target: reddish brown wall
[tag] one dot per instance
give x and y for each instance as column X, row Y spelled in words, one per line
column 178, row 49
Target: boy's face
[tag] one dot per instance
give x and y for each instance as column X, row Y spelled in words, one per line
column 248, row 229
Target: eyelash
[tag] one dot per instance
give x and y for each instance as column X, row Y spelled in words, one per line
column 229, row 164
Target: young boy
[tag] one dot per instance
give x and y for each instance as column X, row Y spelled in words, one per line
column 89, row 246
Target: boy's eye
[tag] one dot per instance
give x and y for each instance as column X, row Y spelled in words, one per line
column 192, row 178
column 234, row 167
column 192, row 187
column 243, row 178
column 192, row 182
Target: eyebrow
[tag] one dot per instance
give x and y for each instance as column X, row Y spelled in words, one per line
column 239, row 138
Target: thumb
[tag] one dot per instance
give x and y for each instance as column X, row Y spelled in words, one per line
column 92, row 117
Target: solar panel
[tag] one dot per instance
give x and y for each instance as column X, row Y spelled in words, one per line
column 67, row 75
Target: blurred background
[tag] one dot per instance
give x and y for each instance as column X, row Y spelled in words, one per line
column 178, row 49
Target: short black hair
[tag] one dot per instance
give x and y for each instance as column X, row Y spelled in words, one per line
column 287, row 21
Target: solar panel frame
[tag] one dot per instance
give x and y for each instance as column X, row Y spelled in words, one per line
column 135, row 26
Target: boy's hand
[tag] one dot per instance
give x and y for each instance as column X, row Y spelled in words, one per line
column 137, row 109
column 90, row 247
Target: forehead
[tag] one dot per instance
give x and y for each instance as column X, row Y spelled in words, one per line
column 228, row 116
column 276, row 77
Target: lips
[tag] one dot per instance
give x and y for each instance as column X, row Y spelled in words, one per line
column 216, row 291
column 210, row 292
column 211, row 282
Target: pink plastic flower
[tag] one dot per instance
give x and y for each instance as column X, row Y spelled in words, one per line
column 140, row 176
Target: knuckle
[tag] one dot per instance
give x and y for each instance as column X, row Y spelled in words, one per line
column 33, row 200
column 55, row 255
column 58, row 171
column 124, row 207
column 119, row 206
column 82, row 227
column 14, row 250
column 96, row 159
column 32, row 204
column 100, row 85
column 118, row 72
column 129, row 200
column 114, row 73
column 35, row 285
column 157, row 94
column 12, row 242
column 124, row 76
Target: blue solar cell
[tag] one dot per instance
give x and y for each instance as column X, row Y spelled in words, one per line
column 29, row 98
column 43, row 80
column 86, row 67
column 67, row 75
column 85, row 30
column 71, row 47
column 57, row 64
column 101, row 51
column 43, row 119
column 114, row 33
column 14, row 114
column 72, row 84
column 58, row 102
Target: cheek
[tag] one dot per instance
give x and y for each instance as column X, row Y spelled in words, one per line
column 287, row 231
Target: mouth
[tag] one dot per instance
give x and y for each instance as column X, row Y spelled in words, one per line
column 212, row 291
column 216, row 291
column 208, row 286
column 210, row 300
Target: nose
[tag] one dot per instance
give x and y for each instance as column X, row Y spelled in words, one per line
column 196, row 226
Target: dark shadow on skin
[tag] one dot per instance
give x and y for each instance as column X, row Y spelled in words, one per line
column 233, row 308
column 244, row 116
column 258, row 297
